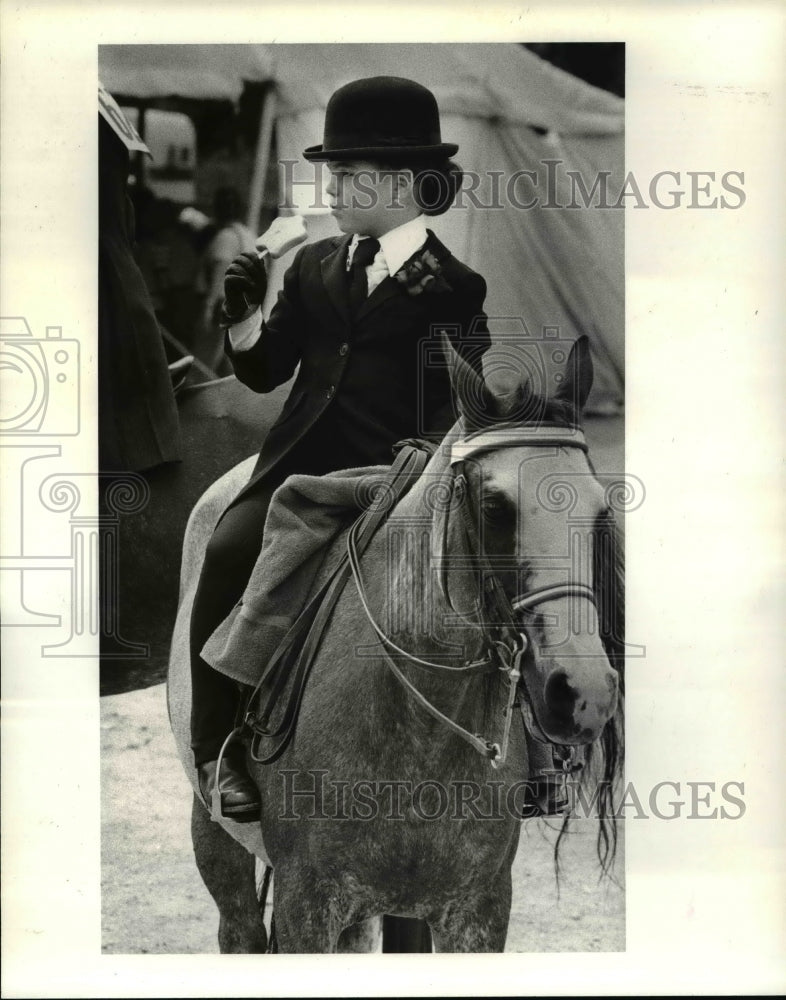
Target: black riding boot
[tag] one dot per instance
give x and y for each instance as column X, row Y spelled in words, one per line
column 215, row 700
column 214, row 706
column 229, row 560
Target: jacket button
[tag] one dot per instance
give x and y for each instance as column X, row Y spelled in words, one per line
column 330, row 391
column 343, row 350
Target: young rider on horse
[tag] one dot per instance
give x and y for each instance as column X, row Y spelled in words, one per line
column 361, row 315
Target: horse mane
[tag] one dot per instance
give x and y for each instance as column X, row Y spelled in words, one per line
column 608, row 576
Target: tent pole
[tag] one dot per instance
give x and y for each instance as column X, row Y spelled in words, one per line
column 140, row 164
column 262, row 158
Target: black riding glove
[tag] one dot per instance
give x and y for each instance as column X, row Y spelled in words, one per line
column 245, row 286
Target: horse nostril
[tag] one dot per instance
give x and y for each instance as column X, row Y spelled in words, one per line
column 560, row 696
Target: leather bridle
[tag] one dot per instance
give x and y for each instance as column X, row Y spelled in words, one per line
column 504, row 640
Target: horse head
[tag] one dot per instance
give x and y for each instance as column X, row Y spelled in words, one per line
column 542, row 524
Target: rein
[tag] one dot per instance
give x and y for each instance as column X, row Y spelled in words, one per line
column 505, row 642
column 297, row 651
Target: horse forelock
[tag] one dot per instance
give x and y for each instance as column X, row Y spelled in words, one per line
column 519, row 405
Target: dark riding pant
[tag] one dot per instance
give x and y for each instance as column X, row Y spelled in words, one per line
column 229, row 559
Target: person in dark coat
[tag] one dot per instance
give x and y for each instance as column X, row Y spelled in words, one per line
column 138, row 425
column 360, row 314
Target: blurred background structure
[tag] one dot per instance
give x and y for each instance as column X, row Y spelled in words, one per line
column 541, row 124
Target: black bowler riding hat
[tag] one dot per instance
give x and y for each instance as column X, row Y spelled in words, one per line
column 382, row 116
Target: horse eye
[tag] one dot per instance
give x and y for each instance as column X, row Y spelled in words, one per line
column 494, row 510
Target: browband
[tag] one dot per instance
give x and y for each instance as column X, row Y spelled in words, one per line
column 515, row 436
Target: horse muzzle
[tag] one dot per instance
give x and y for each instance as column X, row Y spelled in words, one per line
column 574, row 704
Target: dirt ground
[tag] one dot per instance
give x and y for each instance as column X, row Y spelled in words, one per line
column 153, row 900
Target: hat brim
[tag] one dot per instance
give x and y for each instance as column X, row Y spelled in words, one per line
column 377, row 152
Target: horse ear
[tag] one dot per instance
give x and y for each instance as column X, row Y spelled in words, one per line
column 476, row 401
column 576, row 385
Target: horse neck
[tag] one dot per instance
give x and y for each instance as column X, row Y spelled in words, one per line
column 415, row 613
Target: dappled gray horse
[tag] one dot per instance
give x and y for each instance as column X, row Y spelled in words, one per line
column 399, row 792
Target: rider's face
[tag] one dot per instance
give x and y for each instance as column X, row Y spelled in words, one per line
column 366, row 198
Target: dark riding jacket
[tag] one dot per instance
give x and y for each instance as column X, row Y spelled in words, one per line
column 364, row 382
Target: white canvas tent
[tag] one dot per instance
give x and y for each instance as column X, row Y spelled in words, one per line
column 553, row 272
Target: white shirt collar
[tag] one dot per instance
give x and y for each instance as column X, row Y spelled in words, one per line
column 397, row 245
